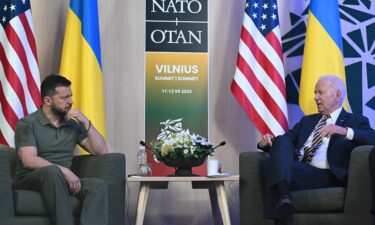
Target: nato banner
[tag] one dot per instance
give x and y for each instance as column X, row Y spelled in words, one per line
column 176, row 71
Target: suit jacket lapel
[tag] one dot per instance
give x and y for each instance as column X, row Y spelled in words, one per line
column 342, row 118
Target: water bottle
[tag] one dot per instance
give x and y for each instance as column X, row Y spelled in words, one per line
column 143, row 169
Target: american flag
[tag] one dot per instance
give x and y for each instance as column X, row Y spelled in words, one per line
column 259, row 83
column 19, row 73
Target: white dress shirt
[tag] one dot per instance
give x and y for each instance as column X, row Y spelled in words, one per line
column 319, row 159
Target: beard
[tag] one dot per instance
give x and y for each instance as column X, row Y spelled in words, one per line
column 59, row 112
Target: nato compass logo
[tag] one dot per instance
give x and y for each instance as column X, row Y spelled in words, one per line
column 358, row 31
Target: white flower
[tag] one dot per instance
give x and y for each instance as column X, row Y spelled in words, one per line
column 192, row 149
column 167, row 142
column 200, row 139
column 174, row 141
column 194, row 137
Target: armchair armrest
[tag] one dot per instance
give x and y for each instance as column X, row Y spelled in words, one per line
column 111, row 169
column 108, row 167
column 358, row 193
column 252, row 165
column 6, row 194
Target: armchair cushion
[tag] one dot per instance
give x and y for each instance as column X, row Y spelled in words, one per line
column 319, row 200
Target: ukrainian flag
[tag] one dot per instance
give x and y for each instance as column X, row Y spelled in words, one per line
column 81, row 60
column 323, row 53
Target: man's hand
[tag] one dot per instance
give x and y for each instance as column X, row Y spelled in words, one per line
column 266, row 140
column 94, row 143
column 72, row 180
column 77, row 115
column 332, row 129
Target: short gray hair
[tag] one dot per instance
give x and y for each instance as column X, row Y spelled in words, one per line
column 337, row 84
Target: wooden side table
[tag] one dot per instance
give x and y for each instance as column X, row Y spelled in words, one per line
column 215, row 187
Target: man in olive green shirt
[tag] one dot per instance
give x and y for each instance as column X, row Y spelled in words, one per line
column 45, row 142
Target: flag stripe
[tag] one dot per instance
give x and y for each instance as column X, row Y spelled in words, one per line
column 5, row 130
column 15, row 41
column 14, row 92
column 87, row 11
column 259, row 83
column 19, row 72
column 2, row 138
column 262, row 59
column 261, row 91
column 327, row 13
column 258, row 104
column 25, row 20
column 261, row 75
column 273, row 39
column 265, row 45
column 7, row 110
column 249, row 109
column 17, row 66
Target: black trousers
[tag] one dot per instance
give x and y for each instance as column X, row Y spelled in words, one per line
column 283, row 165
column 50, row 182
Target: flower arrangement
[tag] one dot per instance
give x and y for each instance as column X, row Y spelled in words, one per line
column 173, row 142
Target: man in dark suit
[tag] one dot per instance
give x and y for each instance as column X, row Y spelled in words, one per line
column 315, row 153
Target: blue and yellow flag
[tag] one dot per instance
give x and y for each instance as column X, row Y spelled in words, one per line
column 81, row 60
column 323, row 53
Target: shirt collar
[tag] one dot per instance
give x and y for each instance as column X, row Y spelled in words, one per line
column 43, row 120
column 335, row 114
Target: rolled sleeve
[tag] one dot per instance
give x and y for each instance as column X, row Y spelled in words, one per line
column 24, row 135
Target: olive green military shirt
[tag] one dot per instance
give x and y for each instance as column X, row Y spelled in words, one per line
column 54, row 144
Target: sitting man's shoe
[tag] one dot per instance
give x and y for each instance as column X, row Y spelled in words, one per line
column 285, row 206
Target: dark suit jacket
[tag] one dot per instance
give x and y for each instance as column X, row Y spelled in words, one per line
column 339, row 148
